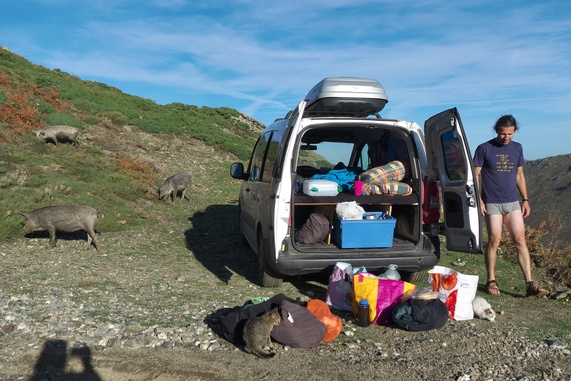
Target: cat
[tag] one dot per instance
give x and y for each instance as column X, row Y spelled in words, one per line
column 483, row 309
column 257, row 333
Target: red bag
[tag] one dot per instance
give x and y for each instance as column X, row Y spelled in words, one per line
column 321, row 311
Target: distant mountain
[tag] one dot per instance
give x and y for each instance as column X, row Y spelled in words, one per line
column 549, row 190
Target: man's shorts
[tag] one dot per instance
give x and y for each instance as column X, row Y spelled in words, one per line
column 503, row 209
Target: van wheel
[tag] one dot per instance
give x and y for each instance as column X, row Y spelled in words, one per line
column 267, row 277
column 415, row 277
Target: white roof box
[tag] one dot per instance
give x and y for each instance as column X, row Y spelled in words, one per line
column 346, row 96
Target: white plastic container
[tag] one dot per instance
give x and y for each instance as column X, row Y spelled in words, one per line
column 320, row 188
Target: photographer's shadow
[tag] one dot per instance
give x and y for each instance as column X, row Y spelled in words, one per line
column 53, row 361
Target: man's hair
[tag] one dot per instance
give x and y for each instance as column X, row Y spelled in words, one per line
column 505, row 121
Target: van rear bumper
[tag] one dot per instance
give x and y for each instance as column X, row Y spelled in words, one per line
column 408, row 258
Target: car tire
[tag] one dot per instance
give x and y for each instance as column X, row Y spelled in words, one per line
column 415, row 277
column 267, row 278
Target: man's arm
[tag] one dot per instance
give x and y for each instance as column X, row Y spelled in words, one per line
column 522, row 188
column 477, row 172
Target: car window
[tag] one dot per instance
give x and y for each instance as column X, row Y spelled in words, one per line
column 454, row 162
column 271, row 155
column 257, row 162
column 325, row 155
column 264, row 157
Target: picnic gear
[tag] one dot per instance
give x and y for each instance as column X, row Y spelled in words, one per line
column 456, row 290
column 349, row 210
column 314, row 230
column 363, row 314
column 383, row 295
column 421, row 315
column 299, row 327
column 322, row 312
column 340, row 288
column 392, row 273
column 232, row 321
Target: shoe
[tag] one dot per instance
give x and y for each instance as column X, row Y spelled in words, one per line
column 492, row 288
column 532, row 289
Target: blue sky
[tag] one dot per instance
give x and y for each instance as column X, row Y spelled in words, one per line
column 485, row 57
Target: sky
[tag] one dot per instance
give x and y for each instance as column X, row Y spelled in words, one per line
column 487, row 58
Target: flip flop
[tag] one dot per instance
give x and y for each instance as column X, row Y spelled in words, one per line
column 492, row 288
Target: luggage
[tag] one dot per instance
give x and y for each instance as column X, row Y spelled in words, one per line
column 346, row 96
column 299, row 327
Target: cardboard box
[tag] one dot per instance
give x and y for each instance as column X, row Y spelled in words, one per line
column 353, row 234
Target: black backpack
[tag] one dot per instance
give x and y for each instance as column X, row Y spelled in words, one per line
column 420, row 315
column 299, row 327
column 231, row 323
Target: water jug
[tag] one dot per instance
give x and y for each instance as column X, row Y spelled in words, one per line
column 392, row 273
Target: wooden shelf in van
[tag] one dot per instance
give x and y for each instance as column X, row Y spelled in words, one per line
column 382, row 199
column 328, row 203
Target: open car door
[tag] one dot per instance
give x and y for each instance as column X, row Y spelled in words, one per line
column 450, row 162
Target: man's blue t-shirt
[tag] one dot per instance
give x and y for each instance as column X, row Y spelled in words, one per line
column 499, row 164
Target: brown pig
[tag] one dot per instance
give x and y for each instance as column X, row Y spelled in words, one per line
column 174, row 184
column 65, row 218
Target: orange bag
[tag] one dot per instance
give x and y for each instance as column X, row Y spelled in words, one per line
column 321, row 311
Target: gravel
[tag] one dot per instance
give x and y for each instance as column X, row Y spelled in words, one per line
column 146, row 296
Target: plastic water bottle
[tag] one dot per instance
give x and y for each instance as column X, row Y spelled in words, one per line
column 392, row 273
column 363, row 316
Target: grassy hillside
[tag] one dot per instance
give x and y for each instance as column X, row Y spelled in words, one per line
column 103, row 171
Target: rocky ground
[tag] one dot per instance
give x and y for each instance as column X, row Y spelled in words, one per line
column 145, row 307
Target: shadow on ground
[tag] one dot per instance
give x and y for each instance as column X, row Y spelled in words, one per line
column 213, row 239
column 54, row 359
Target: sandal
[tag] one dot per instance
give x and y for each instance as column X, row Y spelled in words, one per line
column 492, row 288
column 532, row 289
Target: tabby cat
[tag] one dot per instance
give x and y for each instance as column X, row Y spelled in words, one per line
column 257, row 334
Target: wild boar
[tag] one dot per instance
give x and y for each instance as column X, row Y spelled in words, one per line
column 174, row 184
column 60, row 133
column 65, row 218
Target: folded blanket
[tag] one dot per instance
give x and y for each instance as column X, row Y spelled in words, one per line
column 393, row 171
column 390, row 187
column 386, row 179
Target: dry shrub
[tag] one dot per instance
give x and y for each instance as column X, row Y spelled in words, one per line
column 19, row 111
column 549, row 254
column 145, row 172
column 126, row 163
column 4, row 138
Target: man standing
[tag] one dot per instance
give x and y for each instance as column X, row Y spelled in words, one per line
column 498, row 164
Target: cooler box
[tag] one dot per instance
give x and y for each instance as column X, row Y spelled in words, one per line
column 355, row 234
column 320, row 188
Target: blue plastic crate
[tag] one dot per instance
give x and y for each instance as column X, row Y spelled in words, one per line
column 353, row 234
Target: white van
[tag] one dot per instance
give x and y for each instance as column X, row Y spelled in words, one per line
column 334, row 134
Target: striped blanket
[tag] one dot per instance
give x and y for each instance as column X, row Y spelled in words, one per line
column 386, row 179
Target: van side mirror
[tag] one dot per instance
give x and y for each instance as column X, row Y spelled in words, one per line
column 237, row 171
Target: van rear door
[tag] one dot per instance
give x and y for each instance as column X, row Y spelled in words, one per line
column 450, row 162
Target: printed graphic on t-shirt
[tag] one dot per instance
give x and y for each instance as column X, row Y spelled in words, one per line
column 503, row 163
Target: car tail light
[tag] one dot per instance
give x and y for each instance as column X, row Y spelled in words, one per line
column 431, row 213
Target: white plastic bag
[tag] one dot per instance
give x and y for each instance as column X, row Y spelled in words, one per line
column 455, row 289
column 349, row 210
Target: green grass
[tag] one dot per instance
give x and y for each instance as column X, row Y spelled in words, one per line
column 34, row 174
